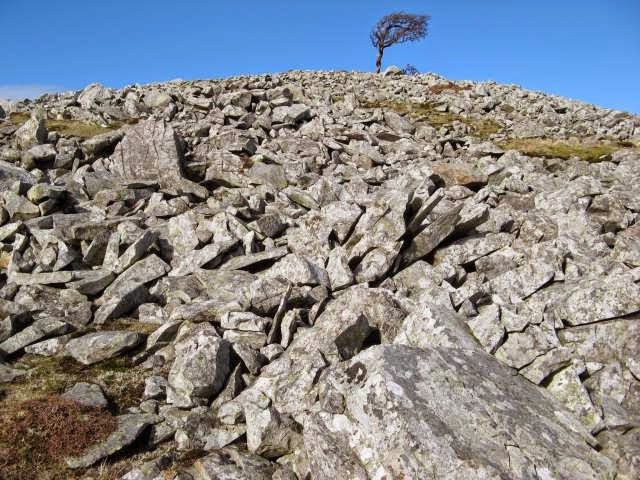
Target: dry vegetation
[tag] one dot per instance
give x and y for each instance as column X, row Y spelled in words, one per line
column 40, row 445
column 547, row 148
column 428, row 112
column 66, row 127
column 448, row 87
column 37, row 434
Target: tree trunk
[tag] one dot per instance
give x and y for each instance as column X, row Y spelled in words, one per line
column 379, row 59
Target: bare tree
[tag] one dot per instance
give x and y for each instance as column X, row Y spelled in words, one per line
column 397, row 28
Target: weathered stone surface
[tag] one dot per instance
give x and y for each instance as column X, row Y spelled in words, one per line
column 129, row 427
column 273, row 230
column 429, row 238
column 95, row 347
column 599, row 299
column 40, row 329
column 389, row 404
column 149, row 151
column 88, row 394
column 201, row 368
column 33, row 132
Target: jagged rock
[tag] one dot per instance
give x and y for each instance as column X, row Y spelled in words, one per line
column 67, row 305
column 429, row 238
column 270, row 433
column 389, row 403
column 150, row 470
column 19, row 208
column 299, row 270
column 40, row 329
column 200, row 369
column 599, row 299
column 236, row 216
column 234, row 463
column 340, row 275
column 33, row 132
column 431, row 325
column 129, row 427
column 96, row 347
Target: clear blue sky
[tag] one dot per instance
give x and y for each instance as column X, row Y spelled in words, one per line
column 583, row 49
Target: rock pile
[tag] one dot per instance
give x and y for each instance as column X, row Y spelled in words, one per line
column 339, row 275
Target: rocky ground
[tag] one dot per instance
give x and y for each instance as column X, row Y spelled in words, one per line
column 319, row 275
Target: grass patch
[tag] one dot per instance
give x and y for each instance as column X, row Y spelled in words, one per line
column 18, row 118
column 122, row 383
column 448, row 87
column 129, row 324
column 427, row 112
column 37, row 434
column 77, row 128
column 66, row 127
column 546, row 148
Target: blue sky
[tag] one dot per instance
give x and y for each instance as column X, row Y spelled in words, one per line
column 583, row 49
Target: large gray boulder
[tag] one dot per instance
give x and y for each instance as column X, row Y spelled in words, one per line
column 402, row 412
column 151, row 150
column 95, row 347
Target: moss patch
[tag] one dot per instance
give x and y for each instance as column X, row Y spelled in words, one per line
column 427, row 112
column 546, row 148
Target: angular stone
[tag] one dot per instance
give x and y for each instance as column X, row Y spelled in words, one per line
column 521, row 348
column 96, row 347
column 192, row 261
column 244, row 261
column 270, row 433
column 398, row 124
column 33, row 132
column 129, row 428
column 299, row 270
column 459, row 174
column 151, row 150
column 135, row 251
column 429, row 238
column 40, row 329
column 49, row 278
column 598, row 299
column 392, row 398
column 142, row 272
column 200, row 369
column 19, row 208
column 520, row 283
column 246, row 321
column 486, row 327
column 340, row 275
column 431, row 325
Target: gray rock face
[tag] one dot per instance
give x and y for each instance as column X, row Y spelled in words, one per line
column 388, row 404
column 95, row 347
column 88, row 394
column 275, row 235
column 149, row 151
column 200, row 369
column 129, row 428
column 33, row 132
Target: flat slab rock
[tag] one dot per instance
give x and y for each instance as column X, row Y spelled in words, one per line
column 446, row 414
column 99, row 346
column 128, row 428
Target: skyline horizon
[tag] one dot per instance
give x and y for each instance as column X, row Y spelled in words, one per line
column 586, row 50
